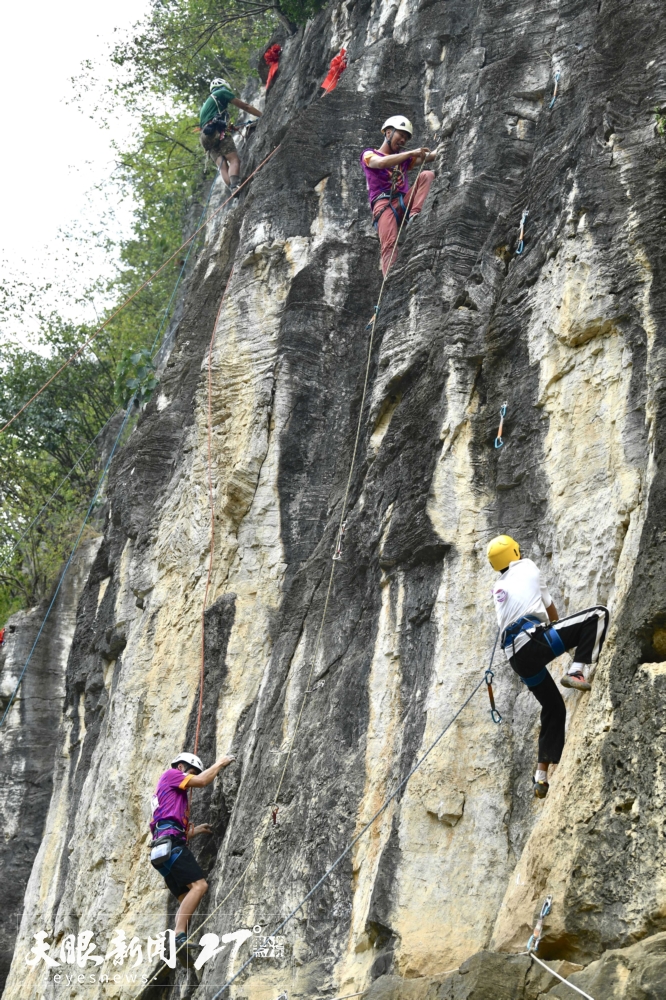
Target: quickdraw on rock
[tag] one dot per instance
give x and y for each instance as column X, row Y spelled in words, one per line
column 494, row 714
column 557, row 80
column 373, row 318
column 533, row 943
column 498, row 440
column 338, row 546
column 521, row 236
column 274, row 814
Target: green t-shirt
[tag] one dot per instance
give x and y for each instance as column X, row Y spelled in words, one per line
column 216, row 104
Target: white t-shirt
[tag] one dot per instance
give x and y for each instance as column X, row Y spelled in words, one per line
column 520, row 591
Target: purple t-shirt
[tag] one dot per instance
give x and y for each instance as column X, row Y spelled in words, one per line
column 379, row 180
column 170, row 801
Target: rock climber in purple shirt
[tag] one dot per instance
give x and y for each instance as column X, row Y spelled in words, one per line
column 389, row 193
column 171, row 829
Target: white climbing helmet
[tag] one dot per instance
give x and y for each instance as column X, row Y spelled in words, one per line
column 188, row 758
column 219, row 82
column 398, row 121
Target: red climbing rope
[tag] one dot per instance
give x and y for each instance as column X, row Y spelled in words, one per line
column 212, row 510
column 134, row 294
column 272, row 58
column 335, row 71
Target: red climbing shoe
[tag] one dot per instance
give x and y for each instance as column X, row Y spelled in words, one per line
column 576, row 681
column 540, row 788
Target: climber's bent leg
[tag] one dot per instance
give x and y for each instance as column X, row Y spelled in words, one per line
column 553, row 721
column 584, row 632
column 188, row 904
column 387, row 230
column 233, row 161
column 419, row 192
column 222, row 151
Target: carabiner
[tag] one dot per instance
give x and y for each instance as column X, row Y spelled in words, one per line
column 498, row 440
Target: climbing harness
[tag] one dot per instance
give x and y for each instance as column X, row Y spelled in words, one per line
column 397, row 177
column 557, row 80
column 335, row 71
column 136, row 292
column 533, row 943
column 521, row 237
column 498, row 440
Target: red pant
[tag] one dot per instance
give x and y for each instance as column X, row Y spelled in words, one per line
column 387, row 226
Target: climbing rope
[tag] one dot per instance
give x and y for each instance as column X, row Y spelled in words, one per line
column 153, row 351
column 498, row 440
column 533, row 945
column 521, row 236
column 134, row 294
column 558, row 976
column 67, row 564
column 382, row 809
column 271, row 818
column 557, row 80
column 212, row 512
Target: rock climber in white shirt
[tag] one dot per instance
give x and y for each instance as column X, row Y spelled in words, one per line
column 532, row 635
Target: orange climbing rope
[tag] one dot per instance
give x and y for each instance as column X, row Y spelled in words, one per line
column 134, row 294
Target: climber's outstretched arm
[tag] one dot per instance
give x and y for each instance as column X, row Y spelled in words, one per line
column 245, row 107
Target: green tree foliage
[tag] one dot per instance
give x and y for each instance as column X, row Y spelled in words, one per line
column 163, row 74
column 135, row 377
column 39, row 450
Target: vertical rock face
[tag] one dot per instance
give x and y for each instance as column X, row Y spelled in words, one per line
column 33, row 734
column 332, row 693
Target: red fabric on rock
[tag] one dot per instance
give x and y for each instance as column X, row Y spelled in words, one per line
column 272, row 58
column 335, row 71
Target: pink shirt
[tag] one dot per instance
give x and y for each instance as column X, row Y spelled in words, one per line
column 170, row 801
column 379, row 181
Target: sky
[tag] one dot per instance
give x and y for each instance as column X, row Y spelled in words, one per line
column 55, row 152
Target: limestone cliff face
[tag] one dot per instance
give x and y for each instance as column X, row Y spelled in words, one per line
column 571, row 334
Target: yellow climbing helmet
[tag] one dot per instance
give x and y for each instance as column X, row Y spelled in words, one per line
column 503, row 550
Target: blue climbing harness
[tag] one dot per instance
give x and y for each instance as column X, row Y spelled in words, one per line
column 390, row 196
column 549, row 633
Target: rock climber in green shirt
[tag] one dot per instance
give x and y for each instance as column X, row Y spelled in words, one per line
column 215, row 136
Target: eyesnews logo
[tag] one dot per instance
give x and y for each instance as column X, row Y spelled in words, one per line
column 500, row 595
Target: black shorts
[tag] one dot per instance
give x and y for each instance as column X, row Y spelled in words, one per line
column 185, row 870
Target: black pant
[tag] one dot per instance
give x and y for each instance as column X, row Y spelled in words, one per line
column 586, row 631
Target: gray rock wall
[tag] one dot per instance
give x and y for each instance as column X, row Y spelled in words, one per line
column 571, row 335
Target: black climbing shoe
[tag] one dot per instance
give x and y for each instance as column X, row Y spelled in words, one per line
column 540, row 788
column 576, row 681
column 186, row 952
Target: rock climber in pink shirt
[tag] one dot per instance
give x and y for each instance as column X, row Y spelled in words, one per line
column 389, row 192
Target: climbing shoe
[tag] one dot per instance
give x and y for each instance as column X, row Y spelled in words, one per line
column 576, row 681
column 187, row 955
column 540, row 788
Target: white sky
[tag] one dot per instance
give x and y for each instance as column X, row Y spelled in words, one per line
column 54, row 152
